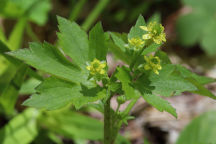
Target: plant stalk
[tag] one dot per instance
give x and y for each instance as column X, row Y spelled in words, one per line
column 94, row 14
column 107, row 123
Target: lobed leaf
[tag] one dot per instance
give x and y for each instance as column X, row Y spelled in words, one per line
column 136, row 31
column 159, row 103
column 47, row 58
column 55, row 93
column 74, row 41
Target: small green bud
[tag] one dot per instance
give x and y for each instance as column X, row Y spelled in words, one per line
column 121, row 99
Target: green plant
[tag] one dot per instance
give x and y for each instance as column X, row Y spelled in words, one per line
column 201, row 130
column 12, row 73
column 148, row 72
column 198, row 25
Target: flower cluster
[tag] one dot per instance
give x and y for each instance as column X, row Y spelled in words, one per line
column 136, row 43
column 152, row 63
column 155, row 32
column 97, row 69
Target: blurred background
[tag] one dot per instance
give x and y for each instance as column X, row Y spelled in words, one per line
column 190, row 27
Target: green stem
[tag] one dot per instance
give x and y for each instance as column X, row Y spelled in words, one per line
column 94, row 14
column 107, row 123
column 130, row 106
column 31, row 33
column 16, row 36
column 76, row 10
column 135, row 58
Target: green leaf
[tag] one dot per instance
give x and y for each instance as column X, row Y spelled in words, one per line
column 74, row 41
column 34, row 10
column 116, row 50
column 28, row 87
column 207, row 5
column 136, row 31
column 47, row 58
column 188, row 74
column 118, row 41
column 159, row 103
column 155, row 17
column 123, row 75
column 97, row 44
column 190, row 27
column 54, row 93
column 9, row 95
column 200, row 131
column 208, row 42
column 22, row 129
column 201, row 90
column 151, row 48
column 39, row 11
column 73, row 125
column 168, row 83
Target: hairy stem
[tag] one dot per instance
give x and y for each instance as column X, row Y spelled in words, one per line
column 107, row 123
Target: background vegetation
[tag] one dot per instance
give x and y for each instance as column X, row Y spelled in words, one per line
column 190, row 26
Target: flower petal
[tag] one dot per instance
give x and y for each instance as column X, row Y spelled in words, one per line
column 147, row 36
column 145, row 28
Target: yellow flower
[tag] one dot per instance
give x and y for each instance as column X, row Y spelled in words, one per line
column 97, row 67
column 155, row 32
column 136, row 42
column 152, row 63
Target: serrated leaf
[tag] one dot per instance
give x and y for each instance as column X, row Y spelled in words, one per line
column 118, row 41
column 136, row 31
column 201, row 130
column 28, row 87
column 159, row 103
column 55, row 93
column 47, row 58
column 116, row 50
column 169, row 82
column 22, row 129
column 97, row 44
column 123, row 74
column 188, row 74
column 74, row 41
column 201, row 90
